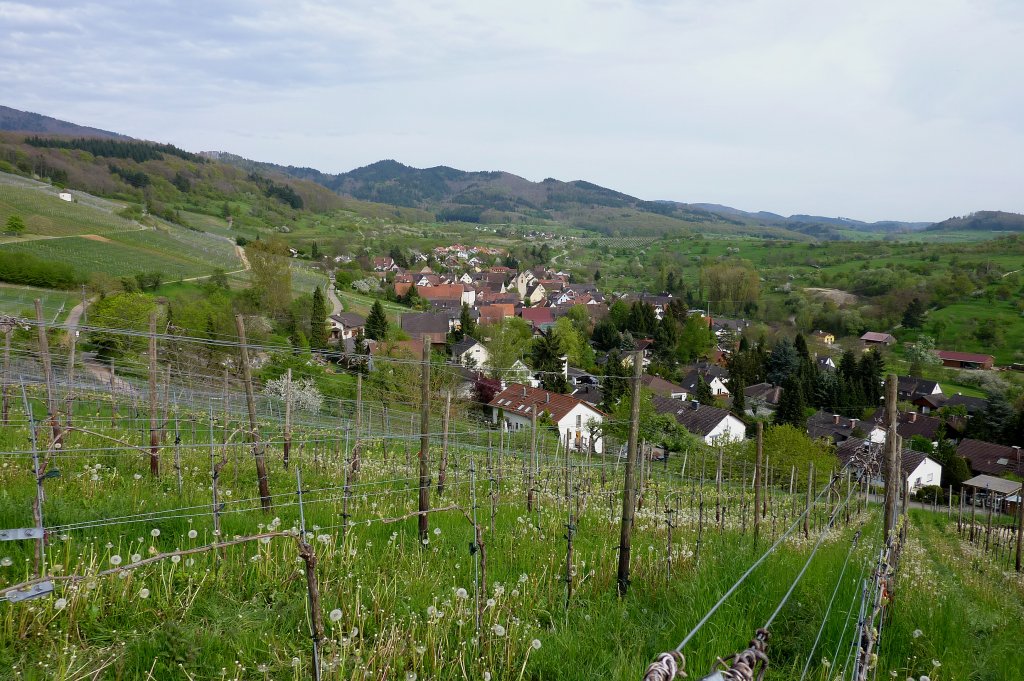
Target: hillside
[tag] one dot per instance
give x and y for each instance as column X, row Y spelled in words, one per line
column 983, row 220
column 13, row 120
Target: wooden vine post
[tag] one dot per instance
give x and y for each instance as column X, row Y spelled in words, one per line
column 154, row 430
column 629, row 486
column 44, row 355
column 758, row 495
column 424, row 498
column 254, row 431
column 287, row 445
column 442, row 473
column 891, row 456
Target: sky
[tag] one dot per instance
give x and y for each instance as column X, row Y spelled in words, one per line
column 874, row 109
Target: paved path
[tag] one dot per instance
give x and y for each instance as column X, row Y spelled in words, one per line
column 336, row 306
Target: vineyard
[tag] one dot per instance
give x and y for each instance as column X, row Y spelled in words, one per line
column 185, row 521
column 48, row 215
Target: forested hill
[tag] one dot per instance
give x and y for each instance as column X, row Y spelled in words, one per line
column 26, row 121
column 982, row 221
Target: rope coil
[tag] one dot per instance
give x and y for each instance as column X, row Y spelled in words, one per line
column 749, row 664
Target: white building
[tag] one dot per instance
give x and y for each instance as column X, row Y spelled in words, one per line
column 715, row 426
column 470, row 352
column 65, row 196
column 576, row 420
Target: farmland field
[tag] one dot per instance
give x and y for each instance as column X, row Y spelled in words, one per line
column 47, row 215
column 20, row 300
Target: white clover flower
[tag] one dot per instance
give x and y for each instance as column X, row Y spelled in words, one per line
column 535, row 644
column 335, row 615
column 143, row 593
column 461, row 593
column 115, row 560
column 192, row 534
column 60, row 604
column 498, row 630
column 155, row 532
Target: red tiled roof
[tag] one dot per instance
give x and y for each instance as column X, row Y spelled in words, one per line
column 538, row 315
column 519, row 399
column 441, row 292
column 964, row 356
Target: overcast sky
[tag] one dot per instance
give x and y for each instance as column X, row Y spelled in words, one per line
column 873, row 109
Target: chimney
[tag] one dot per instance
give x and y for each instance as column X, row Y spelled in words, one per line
column 524, row 391
column 835, row 419
column 853, row 423
column 565, row 367
column 547, row 397
column 695, row 404
column 912, row 417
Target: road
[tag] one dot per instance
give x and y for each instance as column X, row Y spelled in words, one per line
column 336, row 306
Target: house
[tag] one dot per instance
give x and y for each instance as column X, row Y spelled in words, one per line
column 346, row 325
column 384, row 264
column 825, row 363
column 65, row 196
column 991, row 459
column 917, row 468
column 873, row 339
column 492, row 314
column 470, row 352
column 542, row 318
column 659, row 386
column 591, row 394
column 965, row 360
column 576, row 420
column 713, row 425
column 535, row 293
column 714, row 376
column 839, row 428
column 909, row 388
column 454, row 293
column 762, row 396
column 825, row 337
column 909, row 424
column 436, row 325
column 576, row 376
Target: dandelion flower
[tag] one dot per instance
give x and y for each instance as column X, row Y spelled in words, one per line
column 917, row 633
column 487, row 676
column 335, row 615
column 425, row 541
column 420, row 650
column 437, row 531
column 431, row 611
column 175, row 559
column 498, row 630
column 192, row 534
column 155, row 532
column 6, row 561
column 295, row 662
column 523, row 577
column 535, row 644
column 60, row 604
column 136, row 557
column 115, row 560
column 461, row 593
column 411, row 676
column 490, row 602
column 143, row 593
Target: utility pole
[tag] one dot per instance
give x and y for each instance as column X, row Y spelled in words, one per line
column 424, row 504
column 891, row 455
column 629, row 488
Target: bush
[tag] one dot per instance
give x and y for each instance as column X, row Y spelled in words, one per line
column 22, row 268
column 930, row 494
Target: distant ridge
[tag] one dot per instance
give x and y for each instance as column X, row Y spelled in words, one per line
column 13, row 120
column 982, row 221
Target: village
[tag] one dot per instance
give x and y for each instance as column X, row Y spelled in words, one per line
column 468, row 304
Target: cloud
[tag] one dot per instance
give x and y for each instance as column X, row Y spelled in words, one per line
column 877, row 109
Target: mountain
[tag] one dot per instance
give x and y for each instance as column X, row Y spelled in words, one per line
column 811, row 223
column 13, row 120
column 982, row 221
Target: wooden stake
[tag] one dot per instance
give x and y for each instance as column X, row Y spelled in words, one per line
column 891, row 456
column 424, row 498
column 154, row 433
column 442, row 473
column 44, row 355
column 629, row 485
column 287, row 418
column 757, row 480
column 254, row 431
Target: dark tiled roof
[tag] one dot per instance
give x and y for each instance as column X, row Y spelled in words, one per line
column 659, row 386
column 912, row 386
column 463, row 345
column 909, row 458
column 591, row 394
column 349, row 319
column 986, row 457
column 910, row 423
column 425, row 322
column 823, row 424
column 698, row 419
column 974, row 405
column 763, row 391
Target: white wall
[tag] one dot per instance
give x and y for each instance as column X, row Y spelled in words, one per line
column 568, row 426
column 729, row 429
column 927, row 473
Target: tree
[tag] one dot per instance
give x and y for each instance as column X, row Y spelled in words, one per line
column 739, row 400
column 695, row 340
column 315, row 251
column 318, row 320
column 783, row 362
column 702, row 392
column 642, row 319
column 788, row 446
column 377, row 323
column 506, row 342
column 16, row 225
column 467, row 325
column 922, row 355
column 791, row 405
column 118, row 312
column 731, row 284
column 547, row 358
column 271, row 275
column 913, row 316
column 615, row 384
column 574, row 343
column 606, row 336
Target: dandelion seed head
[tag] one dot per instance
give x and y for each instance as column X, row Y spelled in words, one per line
column 60, row 604
column 155, row 532
column 498, row 630
column 115, row 560
column 143, row 593
column 192, row 534
column 335, row 615
column 535, row 644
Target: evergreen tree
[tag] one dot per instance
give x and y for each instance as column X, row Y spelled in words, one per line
column 466, row 322
column 606, row 336
column 16, row 225
column 642, row 319
column 597, row 276
column 318, row 333
column 547, row 358
column 801, row 346
column 739, row 400
column 702, row 393
column 913, row 317
column 377, row 323
column 614, row 386
column 783, row 362
column 315, row 251
column 791, row 405
column 870, row 370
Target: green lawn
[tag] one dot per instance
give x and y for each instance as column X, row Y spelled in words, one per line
column 962, row 323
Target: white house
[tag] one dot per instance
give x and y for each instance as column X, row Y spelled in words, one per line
column 470, row 352
column 346, row 325
column 65, row 196
column 920, row 471
column 576, row 420
column 715, row 426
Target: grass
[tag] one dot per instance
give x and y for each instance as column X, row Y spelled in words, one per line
column 961, row 323
column 244, row 616
column 177, row 253
column 20, row 301
column 47, row 215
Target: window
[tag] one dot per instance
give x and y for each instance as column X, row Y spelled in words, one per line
column 579, row 420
